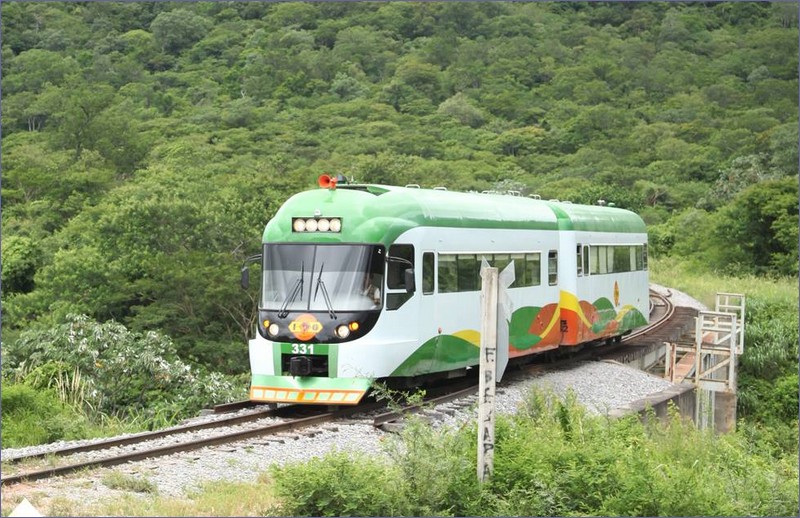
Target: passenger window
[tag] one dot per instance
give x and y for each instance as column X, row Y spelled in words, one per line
column 401, row 257
column 602, row 255
column 500, row 261
column 622, row 259
column 586, row 259
column 579, row 261
column 468, row 273
column 644, row 254
column 533, row 269
column 427, row 273
column 552, row 267
column 447, row 273
column 519, row 271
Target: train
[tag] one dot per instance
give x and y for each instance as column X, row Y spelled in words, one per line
column 364, row 282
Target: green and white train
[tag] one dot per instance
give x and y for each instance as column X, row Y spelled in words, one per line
column 364, row 282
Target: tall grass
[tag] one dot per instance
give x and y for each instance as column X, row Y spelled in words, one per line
column 211, row 499
column 703, row 285
column 554, row 459
column 767, row 392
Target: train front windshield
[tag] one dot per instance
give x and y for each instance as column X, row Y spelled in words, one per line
column 324, row 278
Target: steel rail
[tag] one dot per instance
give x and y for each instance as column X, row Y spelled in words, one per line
column 233, row 406
column 147, row 436
column 664, row 320
column 189, row 446
column 446, row 398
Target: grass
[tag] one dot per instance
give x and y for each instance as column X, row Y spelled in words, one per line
column 704, row 286
column 118, row 480
column 211, row 499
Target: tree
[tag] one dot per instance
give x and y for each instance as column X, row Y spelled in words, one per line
column 33, row 69
column 757, row 231
column 20, row 259
column 743, row 172
column 77, row 109
column 459, row 108
column 421, row 77
column 179, row 29
column 370, row 49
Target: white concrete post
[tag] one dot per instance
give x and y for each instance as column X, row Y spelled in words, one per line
column 486, row 384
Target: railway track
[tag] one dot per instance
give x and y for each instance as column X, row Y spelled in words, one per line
column 286, row 425
column 144, row 436
column 662, row 313
column 289, row 423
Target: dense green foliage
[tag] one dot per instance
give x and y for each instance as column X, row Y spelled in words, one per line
column 552, row 459
column 101, row 371
column 767, row 373
column 37, row 416
column 146, row 144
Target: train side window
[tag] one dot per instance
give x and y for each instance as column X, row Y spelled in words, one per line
column 468, row 273
column 639, row 258
column 594, row 262
column 644, row 256
column 401, row 257
column 586, row 259
column 533, row 269
column 427, row 273
column 579, row 261
column 500, row 261
column 519, row 270
column 552, row 267
column 447, row 273
column 622, row 259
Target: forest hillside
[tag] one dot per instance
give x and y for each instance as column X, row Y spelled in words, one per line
column 145, row 145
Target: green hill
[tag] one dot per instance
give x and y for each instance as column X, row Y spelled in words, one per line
column 145, row 145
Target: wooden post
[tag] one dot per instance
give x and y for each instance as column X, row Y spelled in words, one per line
column 487, row 374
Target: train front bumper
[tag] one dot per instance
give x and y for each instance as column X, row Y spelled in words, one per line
column 308, row 389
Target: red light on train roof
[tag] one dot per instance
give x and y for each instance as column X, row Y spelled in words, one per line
column 327, row 182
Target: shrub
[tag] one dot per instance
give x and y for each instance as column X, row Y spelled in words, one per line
column 340, row 485
column 36, row 416
column 122, row 372
column 551, row 459
column 771, row 338
column 117, row 480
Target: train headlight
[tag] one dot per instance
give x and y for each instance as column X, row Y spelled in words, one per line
column 353, row 326
column 273, row 329
column 311, row 225
column 316, row 224
column 343, row 331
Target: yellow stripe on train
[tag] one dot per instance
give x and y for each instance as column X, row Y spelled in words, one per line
column 284, row 395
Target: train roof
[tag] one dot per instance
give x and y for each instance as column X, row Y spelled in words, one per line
column 380, row 213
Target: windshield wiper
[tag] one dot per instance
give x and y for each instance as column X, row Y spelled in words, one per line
column 321, row 284
column 298, row 288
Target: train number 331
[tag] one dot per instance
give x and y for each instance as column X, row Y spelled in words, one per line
column 302, row 348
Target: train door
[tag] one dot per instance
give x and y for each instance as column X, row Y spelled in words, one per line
column 427, row 290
